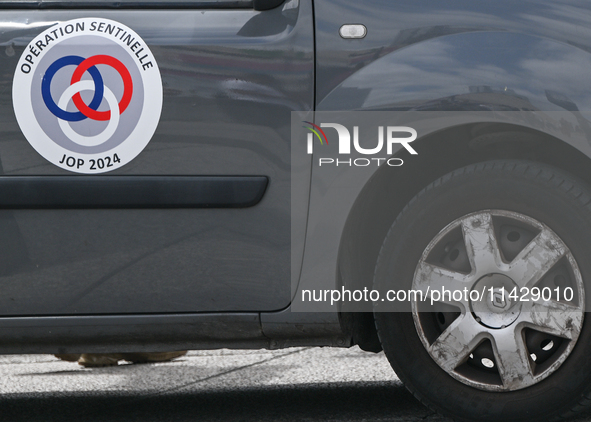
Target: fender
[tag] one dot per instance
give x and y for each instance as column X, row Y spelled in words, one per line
column 476, row 60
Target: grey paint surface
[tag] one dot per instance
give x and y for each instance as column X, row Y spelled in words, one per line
column 425, row 51
column 427, row 55
column 230, row 79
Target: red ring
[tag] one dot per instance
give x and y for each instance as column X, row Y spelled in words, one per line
column 127, row 86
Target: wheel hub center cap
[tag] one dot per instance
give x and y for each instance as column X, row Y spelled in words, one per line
column 492, row 306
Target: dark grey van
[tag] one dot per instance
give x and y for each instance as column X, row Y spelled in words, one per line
column 157, row 191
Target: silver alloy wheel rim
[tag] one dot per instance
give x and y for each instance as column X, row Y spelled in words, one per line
column 477, row 345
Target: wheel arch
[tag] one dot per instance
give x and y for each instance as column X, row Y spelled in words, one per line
column 390, row 189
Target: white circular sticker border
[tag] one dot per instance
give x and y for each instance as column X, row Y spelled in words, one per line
column 96, row 153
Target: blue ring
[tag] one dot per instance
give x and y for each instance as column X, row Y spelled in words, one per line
column 46, row 88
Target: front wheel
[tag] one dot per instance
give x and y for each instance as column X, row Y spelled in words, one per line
column 500, row 254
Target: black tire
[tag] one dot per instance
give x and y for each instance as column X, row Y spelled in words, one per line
column 546, row 194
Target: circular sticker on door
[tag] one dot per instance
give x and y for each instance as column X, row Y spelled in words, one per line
column 87, row 95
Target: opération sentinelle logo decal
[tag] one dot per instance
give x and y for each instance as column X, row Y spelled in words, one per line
column 87, row 95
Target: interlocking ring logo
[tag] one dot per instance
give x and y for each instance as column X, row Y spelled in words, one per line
column 87, row 111
column 87, row 94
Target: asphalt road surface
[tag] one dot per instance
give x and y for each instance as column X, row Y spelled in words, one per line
column 298, row 384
